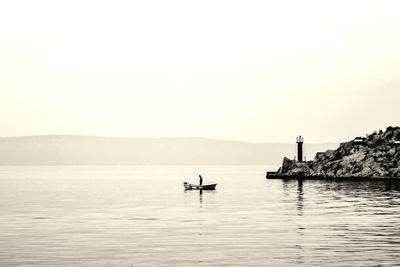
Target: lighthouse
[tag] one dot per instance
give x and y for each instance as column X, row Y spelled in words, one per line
column 300, row 141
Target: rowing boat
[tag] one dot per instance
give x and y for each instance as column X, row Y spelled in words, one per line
column 199, row 187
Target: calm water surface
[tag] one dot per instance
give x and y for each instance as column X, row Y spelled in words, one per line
column 140, row 216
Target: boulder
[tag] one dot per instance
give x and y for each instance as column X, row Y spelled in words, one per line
column 287, row 165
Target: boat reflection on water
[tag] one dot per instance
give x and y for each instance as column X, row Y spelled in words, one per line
column 209, row 190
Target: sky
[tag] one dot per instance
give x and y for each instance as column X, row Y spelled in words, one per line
column 255, row 71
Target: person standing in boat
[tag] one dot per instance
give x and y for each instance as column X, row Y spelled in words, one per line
column 201, row 180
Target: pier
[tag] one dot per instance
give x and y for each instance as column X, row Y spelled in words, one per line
column 275, row 175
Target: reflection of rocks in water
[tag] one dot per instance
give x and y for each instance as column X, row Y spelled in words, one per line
column 350, row 187
column 392, row 186
column 377, row 155
column 362, row 196
column 362, row 192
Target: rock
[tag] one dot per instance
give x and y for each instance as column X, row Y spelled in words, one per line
column 377, row 156
column 396, row 135
column 367, row 171
column 395, row 172
column 287, row 164
column 300, row 170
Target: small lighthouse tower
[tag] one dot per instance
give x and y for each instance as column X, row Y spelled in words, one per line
column 300, row 141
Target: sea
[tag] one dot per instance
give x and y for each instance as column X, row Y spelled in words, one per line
column 131, row 216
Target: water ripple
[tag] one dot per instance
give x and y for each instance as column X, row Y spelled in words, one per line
column 95, row 217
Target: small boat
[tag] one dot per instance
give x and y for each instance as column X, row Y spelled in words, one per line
column 199, row 187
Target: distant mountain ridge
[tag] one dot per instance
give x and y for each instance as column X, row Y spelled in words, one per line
column 92, row 150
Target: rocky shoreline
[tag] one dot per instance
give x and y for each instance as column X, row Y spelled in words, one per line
column 372, row 157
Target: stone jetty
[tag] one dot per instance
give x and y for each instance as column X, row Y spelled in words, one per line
column 375, row 156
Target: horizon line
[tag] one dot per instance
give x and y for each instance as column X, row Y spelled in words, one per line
column 176, row 137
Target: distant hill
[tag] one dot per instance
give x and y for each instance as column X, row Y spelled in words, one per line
column 89, row 150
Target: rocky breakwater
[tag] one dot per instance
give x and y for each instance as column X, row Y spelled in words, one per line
column 375, row 156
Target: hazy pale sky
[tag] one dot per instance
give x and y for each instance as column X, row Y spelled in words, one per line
column 258, row 71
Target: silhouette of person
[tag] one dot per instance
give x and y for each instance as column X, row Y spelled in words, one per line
column 201, row 180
